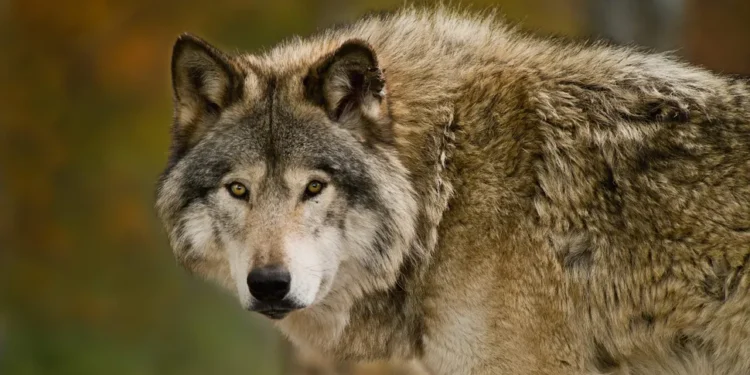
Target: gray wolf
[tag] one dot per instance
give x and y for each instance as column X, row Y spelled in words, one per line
column 434, row 185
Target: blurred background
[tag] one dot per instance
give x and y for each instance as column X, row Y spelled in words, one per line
column 89, row 285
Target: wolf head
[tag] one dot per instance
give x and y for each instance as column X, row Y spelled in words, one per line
column 283, row 183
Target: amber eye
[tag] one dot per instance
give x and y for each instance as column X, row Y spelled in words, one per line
column 314, row 188
column 237, row 190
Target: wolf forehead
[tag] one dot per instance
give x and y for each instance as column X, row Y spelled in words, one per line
column 278, row 141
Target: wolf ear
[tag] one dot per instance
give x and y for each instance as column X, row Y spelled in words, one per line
column 204, row 83
column 350, row 86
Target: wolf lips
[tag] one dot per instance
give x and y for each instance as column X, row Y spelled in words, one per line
column 275, row 311
column 275, row 314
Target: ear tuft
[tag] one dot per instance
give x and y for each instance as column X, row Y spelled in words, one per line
column 204, row 82
column 350, row 86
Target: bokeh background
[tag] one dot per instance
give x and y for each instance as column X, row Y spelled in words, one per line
column 89, row 285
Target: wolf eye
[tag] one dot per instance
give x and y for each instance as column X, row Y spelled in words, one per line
column 314, row 188
column 237, row 190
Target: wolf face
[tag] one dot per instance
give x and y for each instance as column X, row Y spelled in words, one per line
column 283, row 185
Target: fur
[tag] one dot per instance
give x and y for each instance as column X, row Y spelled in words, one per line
column 499, row 203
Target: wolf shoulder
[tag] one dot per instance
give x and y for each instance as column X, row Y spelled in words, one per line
column 614, row 131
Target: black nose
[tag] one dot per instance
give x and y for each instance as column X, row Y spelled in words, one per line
column 269, row 284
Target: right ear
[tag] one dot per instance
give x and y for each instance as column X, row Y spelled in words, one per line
column 350, row 86
column 204, row 83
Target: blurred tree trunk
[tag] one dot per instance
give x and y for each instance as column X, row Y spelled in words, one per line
column 715, row 34
column 331, row 12
column 718, row 34
column 651, row 23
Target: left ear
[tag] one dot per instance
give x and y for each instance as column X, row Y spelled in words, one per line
column 350, row 86
column 204, row 82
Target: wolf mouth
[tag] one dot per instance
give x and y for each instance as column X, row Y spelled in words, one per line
column 275, row 311
column 275, row 314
